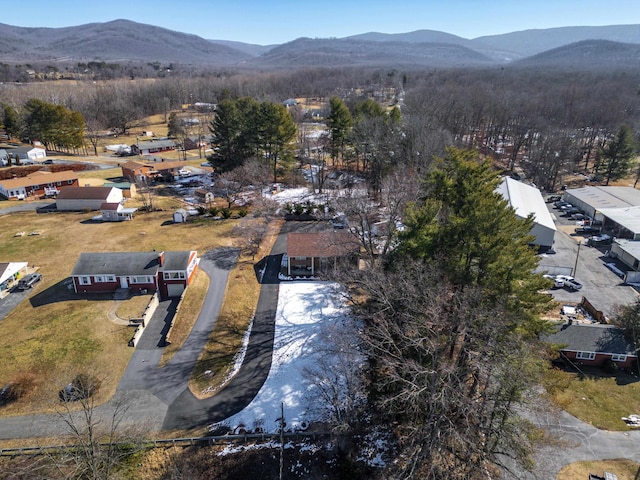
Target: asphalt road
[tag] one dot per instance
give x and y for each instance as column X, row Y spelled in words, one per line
column 7, row 206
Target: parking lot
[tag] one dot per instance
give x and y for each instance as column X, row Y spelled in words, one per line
column 601, row 286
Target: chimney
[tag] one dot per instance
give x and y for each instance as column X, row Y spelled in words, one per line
column 161, row 259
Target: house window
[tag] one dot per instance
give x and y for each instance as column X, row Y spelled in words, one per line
column 619, row 358
column 70, row 182
column 84, row 280
column 141, row 279
column 105, row 278
column 174, row 275
column 586, row 356
column 36, row 187
column 58, row 183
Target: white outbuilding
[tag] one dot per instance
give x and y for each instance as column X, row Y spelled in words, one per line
column 527, row 200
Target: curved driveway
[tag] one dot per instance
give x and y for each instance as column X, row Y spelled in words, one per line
column 159, row 398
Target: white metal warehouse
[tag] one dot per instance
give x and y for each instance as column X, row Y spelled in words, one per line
column 593, row 199
column 527, row 200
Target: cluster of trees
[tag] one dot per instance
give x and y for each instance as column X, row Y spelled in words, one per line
column 451, row 321
column 55, row 126
column 244, row 128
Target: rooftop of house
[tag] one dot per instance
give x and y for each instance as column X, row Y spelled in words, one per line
column 595, row 338
column 85, row 193
column 37, row 178
column 129, row 263
column 321, row 244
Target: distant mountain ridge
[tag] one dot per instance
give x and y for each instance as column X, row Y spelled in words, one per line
column 127, row 41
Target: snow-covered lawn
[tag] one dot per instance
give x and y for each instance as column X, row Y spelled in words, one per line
column 305, row 311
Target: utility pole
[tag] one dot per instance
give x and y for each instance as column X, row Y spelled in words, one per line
column 575, row 266
column 282, row 424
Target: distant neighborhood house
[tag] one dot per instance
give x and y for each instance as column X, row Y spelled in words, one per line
column 153, row 146
column 149, row 171
column 37, row 184
column 23, row 155
column 168, row 273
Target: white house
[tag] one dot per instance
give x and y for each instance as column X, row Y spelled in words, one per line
column 527, row 200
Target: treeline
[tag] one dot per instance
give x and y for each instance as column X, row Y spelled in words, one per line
column 55, row 126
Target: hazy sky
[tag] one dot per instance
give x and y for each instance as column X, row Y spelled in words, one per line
column 278, row 21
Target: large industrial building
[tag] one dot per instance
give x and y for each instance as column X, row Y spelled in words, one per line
column 527, row 200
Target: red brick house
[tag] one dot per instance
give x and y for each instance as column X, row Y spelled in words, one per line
column 168, row 273
column 310, row 253
column 135, row 171
column 37, row 184
column 593, row 344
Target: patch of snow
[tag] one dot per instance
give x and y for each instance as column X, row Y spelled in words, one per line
column 304, row 308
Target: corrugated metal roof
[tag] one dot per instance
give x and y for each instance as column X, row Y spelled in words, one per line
column 526, row 200
column 607, row 197
column 84, row 193
column 628, row 217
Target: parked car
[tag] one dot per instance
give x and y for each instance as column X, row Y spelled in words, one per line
column 560, row 204
column 603, row 239
column 566, row 206
column 48, row 162
column 554, row 198
column 587, row 230
column 29, row 281
column 568, row 212
column 578, row 216
column 567, row 282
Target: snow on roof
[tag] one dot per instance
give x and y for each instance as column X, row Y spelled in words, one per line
column 305, row 309
column 526, row 200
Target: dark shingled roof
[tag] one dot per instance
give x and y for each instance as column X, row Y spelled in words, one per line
column 592, row 338
column 129, row 263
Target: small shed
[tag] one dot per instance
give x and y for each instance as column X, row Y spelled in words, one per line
column 203, row 196
column 180, row 216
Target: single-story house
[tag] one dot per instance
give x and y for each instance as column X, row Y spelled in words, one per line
column 527, row 200
column 134, row 171
column 164, row 169
column 593, row 344
column 153, row 146
column 203, row 196
column 115, row 212
column 87, row 198
column 10, row 272
column 128, row 188
column 168, row 273
column 29, row 154
column 310, row 253
column 38, row 183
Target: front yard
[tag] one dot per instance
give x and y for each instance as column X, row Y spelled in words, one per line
column 49, row 338
column 598, row 400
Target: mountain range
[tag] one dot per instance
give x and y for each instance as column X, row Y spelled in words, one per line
column 127, row 41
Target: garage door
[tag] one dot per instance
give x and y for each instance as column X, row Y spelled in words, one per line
column 175, row 289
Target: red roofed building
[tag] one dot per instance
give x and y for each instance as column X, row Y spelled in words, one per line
column 310, row 253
